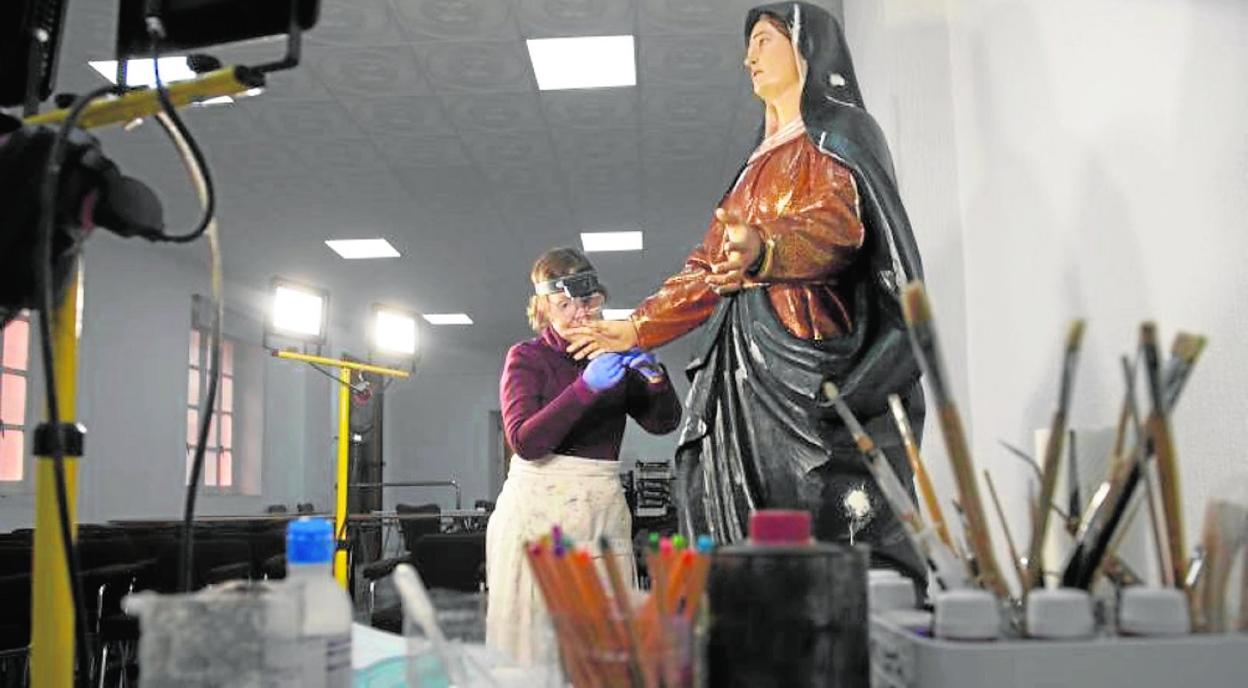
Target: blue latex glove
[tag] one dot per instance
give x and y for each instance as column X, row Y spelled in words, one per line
column 645, row 363
column 604, row 372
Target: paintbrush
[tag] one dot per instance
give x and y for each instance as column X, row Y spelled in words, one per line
column 919, row 320
column 1108, row 505
column 926, row 490
column 1074, row 503
column 1158, row 426
column 1005, row 528
column 1052, row 457
column 1183, row 354
column 1022, row 456
column 950, row 573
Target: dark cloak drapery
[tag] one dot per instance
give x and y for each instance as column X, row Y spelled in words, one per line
column 755, row 433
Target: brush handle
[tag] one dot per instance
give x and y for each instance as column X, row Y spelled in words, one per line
column 1048, row 485
column 926, row 490
column 1005, row 528
column 919, row 319
column 972, row 504
column 1158, row 427
column 949, row 571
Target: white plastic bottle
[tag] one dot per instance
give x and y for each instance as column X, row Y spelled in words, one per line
column 325, row 640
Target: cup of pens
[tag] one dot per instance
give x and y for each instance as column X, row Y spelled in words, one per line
column 610, row 634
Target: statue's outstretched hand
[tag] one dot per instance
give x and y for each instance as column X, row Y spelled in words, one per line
column 593, row 339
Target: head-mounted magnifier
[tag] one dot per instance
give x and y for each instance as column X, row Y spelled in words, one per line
column 577, row 286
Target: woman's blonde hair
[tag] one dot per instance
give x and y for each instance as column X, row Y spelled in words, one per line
column 557, row 262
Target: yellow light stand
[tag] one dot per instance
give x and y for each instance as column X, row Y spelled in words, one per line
column 52, row 612
column 344, row 433
column 227, row 81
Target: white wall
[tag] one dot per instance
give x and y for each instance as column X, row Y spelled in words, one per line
column 1099, row 162
column 133, row 389
column 901, row 56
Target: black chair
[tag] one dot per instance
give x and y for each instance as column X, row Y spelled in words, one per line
column 15, row 630
column 452, row 561
column 445, row 561
column 413, row 529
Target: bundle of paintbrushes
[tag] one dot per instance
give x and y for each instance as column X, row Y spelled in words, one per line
column 1143, row 468
column 609, row 633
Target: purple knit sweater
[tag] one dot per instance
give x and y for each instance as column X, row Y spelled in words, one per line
column 547, row 407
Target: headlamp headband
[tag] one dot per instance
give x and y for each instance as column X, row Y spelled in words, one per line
column 575, row 286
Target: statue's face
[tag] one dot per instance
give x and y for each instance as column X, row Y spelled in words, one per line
column 770, row 61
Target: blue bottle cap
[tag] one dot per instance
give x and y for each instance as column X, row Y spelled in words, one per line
column 705, row 543
column 309, row 541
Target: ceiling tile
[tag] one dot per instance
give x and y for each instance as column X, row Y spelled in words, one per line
column 254, row 159
column 547, row 18
column 688, row 106
column 495, row 111
column 480, row 66
column 690, row 61
column 606, row 177
column 457, row 20
column 400, row 116
column 510, row 149
column 604, row 108
column 295, row 119
column 338, row 157
column 357, row 23
column 543, row 215
column 581, row 148
column 659, row 144
column 695, row 16
column 432, row 151
column 523, row 179
column 391, row 71
column 218, row 123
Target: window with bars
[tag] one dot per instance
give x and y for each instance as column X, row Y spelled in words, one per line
column 219, row 450
column 14, row 364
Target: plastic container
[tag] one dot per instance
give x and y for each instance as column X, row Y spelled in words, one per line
column 1149, row 611
column 786, row 610
column 235, row 634
column 1060, row 614
column 967, row 615
column 904, row 659
column 325, row 608
column 889, row 590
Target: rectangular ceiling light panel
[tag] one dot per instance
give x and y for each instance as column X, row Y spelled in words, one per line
column 583, row 62
column 611, row 241
column 358, row 249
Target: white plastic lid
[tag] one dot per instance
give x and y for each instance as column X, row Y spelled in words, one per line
column 967, row 615
column 890, row 592
column 1061, row 613
column 1153, row 611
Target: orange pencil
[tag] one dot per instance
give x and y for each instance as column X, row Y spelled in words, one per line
column 558, row 607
